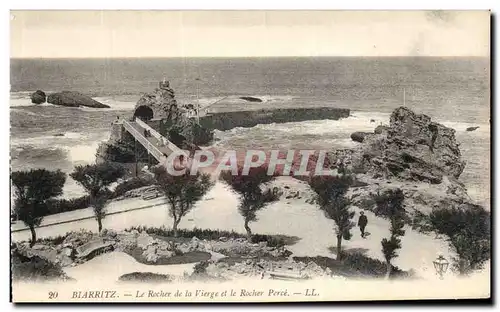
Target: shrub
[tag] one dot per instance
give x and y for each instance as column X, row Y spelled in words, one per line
column 208, row 234
column 146, row 277
column 53, row 241
column 201, row 267
column 131, row 184
column 468, row 231
column 65, row 205
column 34, row 268
column 386, row 201
column 55, row 206
column 355, row 265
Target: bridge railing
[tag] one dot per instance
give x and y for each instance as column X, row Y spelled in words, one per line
column 171, row 146
column 144, row 141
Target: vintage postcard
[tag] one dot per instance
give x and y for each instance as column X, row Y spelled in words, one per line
column 249, row 156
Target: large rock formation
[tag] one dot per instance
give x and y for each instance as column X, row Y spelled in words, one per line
column 414, row 154
column 412, row 148
column 38, row 97
column 160, row 103
column 74, row 99
column 160, row 110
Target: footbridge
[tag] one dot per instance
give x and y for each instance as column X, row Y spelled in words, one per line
column 157, row 145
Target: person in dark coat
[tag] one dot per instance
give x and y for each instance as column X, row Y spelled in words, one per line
column 362, row 222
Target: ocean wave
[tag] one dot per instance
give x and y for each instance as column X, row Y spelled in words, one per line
column 462, row 126
column 49, row 140
column 82, row 154
column 27, row 112
column 357, row 121
column 113, row 103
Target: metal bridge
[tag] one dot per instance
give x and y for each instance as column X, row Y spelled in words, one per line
column 157, row 145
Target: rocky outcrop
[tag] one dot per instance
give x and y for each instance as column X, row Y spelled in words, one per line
column 251, row 99
column 413, row 147
column 472, row 128
column 358, row 136
column 160, row 103
column 74, row 99
column 267, row 269
column 38, row 97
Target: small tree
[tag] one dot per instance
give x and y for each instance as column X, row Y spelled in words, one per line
column 182, row 191
column 32, row 189
column 395, row 211
column 96, row 179
column 331, row 196
column 468, row 232
column 253, row 197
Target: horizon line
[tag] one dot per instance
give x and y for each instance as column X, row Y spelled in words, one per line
column 265, row 56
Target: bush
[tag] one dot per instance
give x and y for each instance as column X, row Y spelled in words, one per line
column 386, row 202
column 34, row 268
column 53, row 241
column 201, row 267
column 469, row 234
column 355, row 265
column 146, row 277
column 208, row 234
column 131, row 184
column 64, row 205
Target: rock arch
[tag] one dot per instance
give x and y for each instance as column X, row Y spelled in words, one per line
column 144, row 112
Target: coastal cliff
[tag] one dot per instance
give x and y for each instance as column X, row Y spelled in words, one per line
column 414, row 154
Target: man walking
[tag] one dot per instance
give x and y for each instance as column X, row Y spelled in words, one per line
column 362, row 222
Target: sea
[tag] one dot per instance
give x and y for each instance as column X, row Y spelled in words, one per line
column 453, row 91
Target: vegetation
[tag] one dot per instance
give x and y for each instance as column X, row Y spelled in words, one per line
column 252, row 196
column 96, row 179
column 355, row 265
column 468, row 232
column 146, row 277
column 384, row 201
column 331, row 197
column 34, row 268
column 182, row 192
column 208, row 234
column 131, row 184
column 394, row 208
column 64, row 205
column 58, row 205
column 33, row 189
column 186, row 131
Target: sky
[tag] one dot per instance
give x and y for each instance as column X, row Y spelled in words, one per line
column 101, row 34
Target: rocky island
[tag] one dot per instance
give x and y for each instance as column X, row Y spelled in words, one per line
column 66, row 98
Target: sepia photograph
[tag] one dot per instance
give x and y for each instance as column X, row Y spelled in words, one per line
column 249, row 156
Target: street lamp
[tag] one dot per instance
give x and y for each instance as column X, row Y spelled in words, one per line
column 441, row 265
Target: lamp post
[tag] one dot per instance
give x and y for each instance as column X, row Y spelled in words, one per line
column 441, row 265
